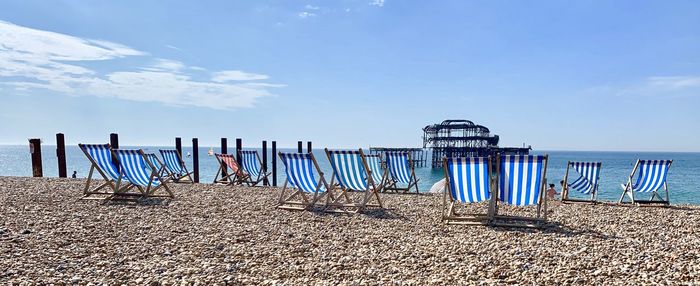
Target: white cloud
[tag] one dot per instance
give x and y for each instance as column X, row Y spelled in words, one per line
column 173, row 47
column 378, row 3
column 310, row 7
column 225, row 76
column 33, row 60
column 167, row 65
column 684, row 85
column 674, row 82
column 306, row 14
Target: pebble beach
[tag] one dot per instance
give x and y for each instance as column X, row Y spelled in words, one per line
column 222, row 235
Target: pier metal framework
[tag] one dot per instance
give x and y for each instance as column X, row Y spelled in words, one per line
column 463, row 138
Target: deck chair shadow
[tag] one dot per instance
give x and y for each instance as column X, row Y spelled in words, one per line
column 586, row 183
column 351, row 171
column 229, row 172
column 379, row 175
column 175, row 167
column 467, row 181
column 252, row 164
column 401, row 171
column 651, row 177
column 141, row 174
column 102, row 164
column 302, row 190
column 521, row 182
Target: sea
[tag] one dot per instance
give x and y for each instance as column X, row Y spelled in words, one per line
column 683, row 178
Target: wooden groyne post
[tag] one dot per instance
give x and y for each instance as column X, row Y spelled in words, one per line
column 178, row 146
column 61, row 155
column 114, row 143
column 300, row 147
column 239, row 147
column 224, row 146
column 308, row 147
column 195, row 159
column 266, row 182
column 274, row 163
column 35, row 151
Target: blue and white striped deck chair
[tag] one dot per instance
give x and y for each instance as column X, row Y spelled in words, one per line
column 139, row 171
column 251, row 163
column 350, row 169
column 374, row 162
column 100, row 157
column 401, row 171
column 301, row 181
column 652, row 177
column 467, row 181
column 153, row 158
column 521, row 182
column 586, row 183
column 175, row 167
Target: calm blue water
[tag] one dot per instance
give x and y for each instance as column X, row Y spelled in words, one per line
column 683, row 180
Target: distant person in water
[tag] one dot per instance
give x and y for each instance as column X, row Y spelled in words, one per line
column 551, row 192
column 75, row 175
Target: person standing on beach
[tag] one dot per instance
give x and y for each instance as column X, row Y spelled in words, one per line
column 75, row 175
column 551, row 192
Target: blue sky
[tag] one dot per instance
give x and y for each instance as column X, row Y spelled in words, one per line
column 557, row 75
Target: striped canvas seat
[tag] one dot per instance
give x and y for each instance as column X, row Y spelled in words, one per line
column 521, row 179
column 302, row 189
column 400, row 171
column 349, row 170
column 299, row 168
column 102, row 156
column 399, row 166
column 249, row 162
column 174, row 167
column 101, row 160
column 468, row 179
column 375, row 165
column 652, row 175
column 153, row 159
column 587, row 181
column 138, row 170
column 135, row 168
column 237, row 175
column 172, row 161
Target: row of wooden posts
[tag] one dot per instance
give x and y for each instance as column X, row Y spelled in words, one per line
column 37, row 171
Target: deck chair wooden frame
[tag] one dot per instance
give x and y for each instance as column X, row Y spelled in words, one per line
column 593, row 191
column 99, row 192
column 176, row 177
column 262, row 172
column 298, row 198
column 128, row 171
column 236, row 177
column 392, row 183
column 540, row 219
column 629, row 192
column 361, row 179
column 450, row 213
